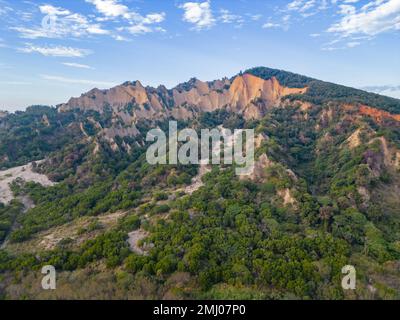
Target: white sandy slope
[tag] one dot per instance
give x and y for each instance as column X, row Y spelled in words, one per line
column 23, row 172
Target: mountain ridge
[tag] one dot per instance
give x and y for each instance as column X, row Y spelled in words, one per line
column 318, row 91
column 238, row 94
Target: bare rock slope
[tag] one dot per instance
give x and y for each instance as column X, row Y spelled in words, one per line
column 245, row 94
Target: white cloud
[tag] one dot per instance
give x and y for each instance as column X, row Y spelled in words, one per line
column 77, row 81
column 381, row 88
column 295, row 5
column 307, row 8
column 96, row 29
column 25, row 16
column 305, row 5
column 333, row 45
column 159, row 29
column 139, row 29
column 32, row 33
column 51, row 10
column 373, row 18
column 346, row 9
column 76, row 65
column 308, row 5
column 120, row 38
column 227, row 17
column 270, row 25
column 60, row 23
column 153, row 18
column 199, row 14
column 5, row 10
column 58, row 51
column 283, row 24
column 112, row 8
column 388, row 90
column 146, row 22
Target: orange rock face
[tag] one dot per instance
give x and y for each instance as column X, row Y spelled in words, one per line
column 248, row 88
column 378, row 115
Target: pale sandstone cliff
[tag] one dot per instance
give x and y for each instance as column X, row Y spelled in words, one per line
column 245, row 94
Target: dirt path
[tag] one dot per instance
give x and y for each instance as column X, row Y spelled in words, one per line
column 197, row 183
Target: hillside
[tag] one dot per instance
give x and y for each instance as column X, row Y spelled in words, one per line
column 324, row 194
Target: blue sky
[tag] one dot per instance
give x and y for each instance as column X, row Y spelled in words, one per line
column 55, row 49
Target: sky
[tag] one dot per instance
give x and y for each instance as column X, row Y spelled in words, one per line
column 52, row 50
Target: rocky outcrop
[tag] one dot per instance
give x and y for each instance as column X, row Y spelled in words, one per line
column 109, row 134
column 390, row 155
column 245, row 94
column 118, row 96
column 386, row 157
column 354, row 140
column 287, row 197
column 258, row 174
